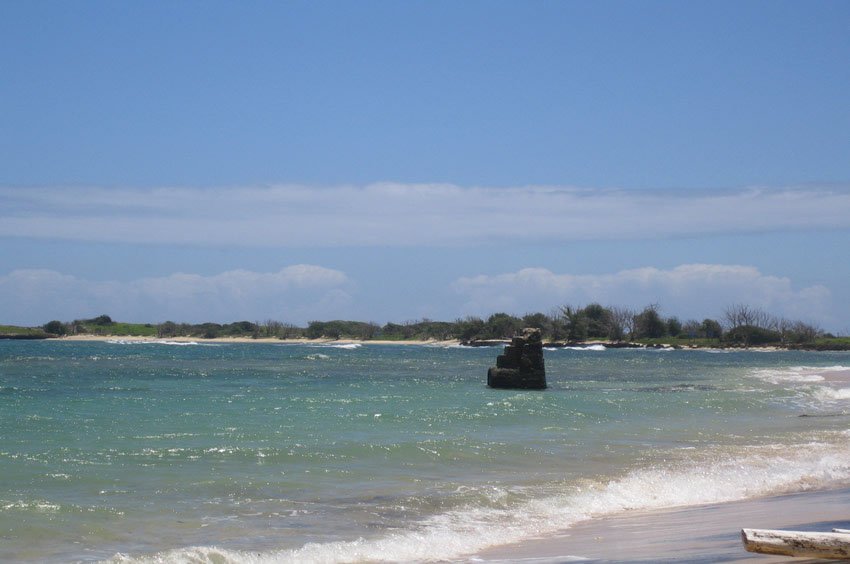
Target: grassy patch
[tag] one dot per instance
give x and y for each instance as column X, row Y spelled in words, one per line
column 683, row 342
column 15, row 331
column 832, row 344
column 122, row 329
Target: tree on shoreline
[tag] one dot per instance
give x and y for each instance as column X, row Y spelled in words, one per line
column 55, row 328
column 648, row 323
column 744, row 326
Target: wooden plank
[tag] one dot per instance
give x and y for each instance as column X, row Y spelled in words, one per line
column 797, row 543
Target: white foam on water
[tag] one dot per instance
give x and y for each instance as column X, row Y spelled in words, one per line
column 188, row 344
column 317, row 356
column 796, row 373
column 827, row 394
column 587, row 348
column 825, row 385
column 580, row 348
column 35, row 505
column 713, row 478
column 160, row 342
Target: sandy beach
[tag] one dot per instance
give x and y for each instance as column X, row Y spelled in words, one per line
column 708, row 533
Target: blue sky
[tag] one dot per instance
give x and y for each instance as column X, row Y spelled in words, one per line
column 397, row 160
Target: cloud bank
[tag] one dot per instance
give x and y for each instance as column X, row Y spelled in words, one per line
column 391, row 214
column 302, row 293
column 297, row 294
column 689, row 291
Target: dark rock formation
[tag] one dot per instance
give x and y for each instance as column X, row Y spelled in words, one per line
column 522, row 364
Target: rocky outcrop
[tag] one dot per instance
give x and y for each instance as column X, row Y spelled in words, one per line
column 521, row 365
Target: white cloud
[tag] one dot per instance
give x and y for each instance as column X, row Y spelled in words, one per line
column 406, row 214
column 688, row 291
column 294, row 294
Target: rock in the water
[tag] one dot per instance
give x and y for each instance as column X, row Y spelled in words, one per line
column 521, row 366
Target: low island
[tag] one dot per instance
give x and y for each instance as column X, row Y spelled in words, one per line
column 593, row 325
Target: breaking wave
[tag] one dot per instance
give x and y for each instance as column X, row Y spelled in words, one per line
column 160, row 342
column 712, row 478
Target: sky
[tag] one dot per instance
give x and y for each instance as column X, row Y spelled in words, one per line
column 393, row 161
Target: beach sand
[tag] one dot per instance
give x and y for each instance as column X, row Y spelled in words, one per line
column 708, row 533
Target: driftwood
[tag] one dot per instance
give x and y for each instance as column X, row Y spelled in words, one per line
column 798, row 543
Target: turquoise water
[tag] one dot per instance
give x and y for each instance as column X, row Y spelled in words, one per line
column 265, row 452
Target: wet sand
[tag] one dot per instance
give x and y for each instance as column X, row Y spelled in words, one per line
column 704, row 534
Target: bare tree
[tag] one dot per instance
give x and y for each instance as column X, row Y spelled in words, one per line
column 691, row 328
column 290, row 331
column 623, row 320
column 798, row 331
column 738, row 315
column 648, row 323
column 271, row 328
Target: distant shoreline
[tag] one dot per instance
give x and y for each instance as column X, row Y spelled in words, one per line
column 262, row 340
column 659, row 345
column 420, row 342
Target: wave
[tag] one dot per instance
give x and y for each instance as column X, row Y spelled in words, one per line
column 161, row 342
column 584, row 348
column 816, row 387
column 588, row 348
column 346, row 346
column 799, row 373
column 827, row 395
column 317, row 356
column 712, row 477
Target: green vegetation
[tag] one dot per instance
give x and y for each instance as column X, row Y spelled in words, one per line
column 101, row 325
column 419, row 330
column 56, row 327
column 741, row 326
column 829, row 343
column 15, row 332
column 339, row 329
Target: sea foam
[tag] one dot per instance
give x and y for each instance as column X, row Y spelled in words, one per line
column 160, row 342
column 826, row 385
column 714, row 478
column 797, row 373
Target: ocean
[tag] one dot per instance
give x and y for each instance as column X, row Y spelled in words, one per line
column 126, row 451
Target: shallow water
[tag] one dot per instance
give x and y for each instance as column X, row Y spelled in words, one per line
column 301, row 452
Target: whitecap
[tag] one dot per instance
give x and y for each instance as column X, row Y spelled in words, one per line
column 317, row 356
column 713, row 478
column 187, row 344
column 826, row 394
column 588, row 348
column 802, row 374
column 160, row 342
